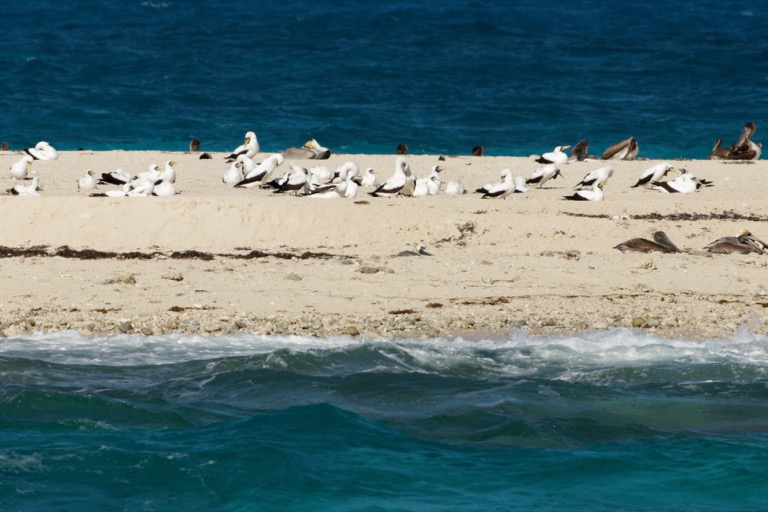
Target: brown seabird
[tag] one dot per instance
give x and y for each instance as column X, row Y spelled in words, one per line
column 660, row 243
column 627, row 149
column 742, row 149
column 744, row 243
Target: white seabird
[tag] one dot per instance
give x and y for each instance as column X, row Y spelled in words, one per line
column 395, row 184
column 26, row 190
column 600, row 175
column 234, row 174
column 686, row 183
column 269, row 164
column 169, row 173
column 296, row 182
column 351, row 188
column 557, row 156
column 164, row 189
column 593, row 194
column 20, row 169
column 454, row 188
column 249, row 148
column 87, row 181
column 277, row 182
column 122, row 192
column 653, row 173
column 368, row 179
column 543, row 174
column 346, row 169
column 503, row 189
column 521, row 186
column 42, row 151
column 116, row 177
column 433, row 180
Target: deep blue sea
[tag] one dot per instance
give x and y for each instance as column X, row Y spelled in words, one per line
column 438, row 75
column 600, row 422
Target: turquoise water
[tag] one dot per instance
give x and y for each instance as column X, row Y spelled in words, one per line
column 440, row 76
column 604, row 421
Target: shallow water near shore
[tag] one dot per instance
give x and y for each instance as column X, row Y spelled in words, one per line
column 601, row 421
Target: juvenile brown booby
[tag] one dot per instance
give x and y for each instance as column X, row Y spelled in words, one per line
column 624, row 150
column 744, row 243
column 660, row 243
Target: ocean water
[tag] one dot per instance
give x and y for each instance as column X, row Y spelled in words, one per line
column 614, row 420
column 439, row 75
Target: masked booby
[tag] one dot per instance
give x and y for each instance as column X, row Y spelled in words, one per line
column 87, row 181
column 26, row 190
column 395, row 184
column 250, row 147
column 20, row 169
column 543, row 174
column 557, row 156
column 42, row 151
column 653, row 173
column 593, row 194
column 600, row 175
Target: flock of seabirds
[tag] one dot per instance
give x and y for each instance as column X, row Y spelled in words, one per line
column 345, row 181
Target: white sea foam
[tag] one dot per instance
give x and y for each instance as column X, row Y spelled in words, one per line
column 516, row 354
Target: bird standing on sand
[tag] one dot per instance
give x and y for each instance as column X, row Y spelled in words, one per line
column 543, row 174
column 557, row 156
column 653, row 173
column 600, row 175
column 395, row 184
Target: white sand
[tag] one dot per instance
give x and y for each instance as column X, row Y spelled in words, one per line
column 524, row 262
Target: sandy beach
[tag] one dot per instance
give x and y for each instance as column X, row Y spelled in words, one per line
column 214, row 259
